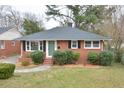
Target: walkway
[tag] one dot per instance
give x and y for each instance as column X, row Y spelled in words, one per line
column 36, row 69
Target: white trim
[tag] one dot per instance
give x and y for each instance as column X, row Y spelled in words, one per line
column 92, row 45
column 102, row 45
column 30, row 46
column 72, row 44
column 47, row 52
column 47, row 49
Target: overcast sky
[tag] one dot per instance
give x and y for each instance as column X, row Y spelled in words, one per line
column 38, row 10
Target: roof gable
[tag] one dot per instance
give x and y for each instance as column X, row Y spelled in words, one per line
column 9, row 34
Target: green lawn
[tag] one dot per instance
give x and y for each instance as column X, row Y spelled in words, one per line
column 62, row 77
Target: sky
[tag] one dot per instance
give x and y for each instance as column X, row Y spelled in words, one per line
column 38, row 10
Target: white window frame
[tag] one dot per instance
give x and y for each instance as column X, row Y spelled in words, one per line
column 13, row 43
column 30, row 45
column 3, row 46
column 92, row 45
column 72, row 44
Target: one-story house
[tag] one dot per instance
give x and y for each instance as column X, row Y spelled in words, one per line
column 8, row 45
column 62, row 38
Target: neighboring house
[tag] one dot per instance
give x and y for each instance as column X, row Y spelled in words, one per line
column 62, row 38
column 8, row 45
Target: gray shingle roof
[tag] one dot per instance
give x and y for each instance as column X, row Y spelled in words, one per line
column 4, row 29
column 64, row 33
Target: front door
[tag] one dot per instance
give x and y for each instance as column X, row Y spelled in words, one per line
column 51, row 48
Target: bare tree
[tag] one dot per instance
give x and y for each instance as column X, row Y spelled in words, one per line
column 10, row 16
column 118, row 31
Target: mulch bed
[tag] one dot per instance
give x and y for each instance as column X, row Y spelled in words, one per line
column 80, row 65
column 19, row 66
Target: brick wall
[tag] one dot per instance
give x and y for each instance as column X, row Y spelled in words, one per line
column 9, row 49
column 83, row 52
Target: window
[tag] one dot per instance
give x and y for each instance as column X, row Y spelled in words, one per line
column 74, row 44
column 13, row 43
column 34, row 45
column 87, row 43
column 2, row 44
column 92, row 44
column 27, row 45
column 95, row 43
column 41, row 45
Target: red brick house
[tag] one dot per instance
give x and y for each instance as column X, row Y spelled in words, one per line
column 8, row 46
column 61, row 38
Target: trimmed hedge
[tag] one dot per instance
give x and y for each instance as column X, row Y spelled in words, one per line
column 76, row 56
column 106, row 58
column 59, row 58
column 93, row 58
column 6, row 70
column 37, row 57
column 65, row 57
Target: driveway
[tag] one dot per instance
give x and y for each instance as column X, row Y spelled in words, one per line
column 12, row 59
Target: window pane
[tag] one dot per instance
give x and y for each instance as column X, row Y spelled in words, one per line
column 87, row 43
column 74, row 44
column 27, row 45
column 95, row 43
column 34, row 45
column 13, row 43
column 2, row 44
column 41, row 45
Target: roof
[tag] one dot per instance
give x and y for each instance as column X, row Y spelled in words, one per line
column 9, row 33
column 64, row 33
column 4, row 29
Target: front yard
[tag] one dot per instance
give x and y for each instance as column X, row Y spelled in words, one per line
column 61, row 77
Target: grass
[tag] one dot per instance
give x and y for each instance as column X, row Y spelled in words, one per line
column 64, row 77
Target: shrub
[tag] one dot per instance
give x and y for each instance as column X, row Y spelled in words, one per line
column 37, row 57
column 122, row 59
column 68, row 57
column 76, row 56
column 6, row 70
column 28, row 55
column 106, row 58
column 118, row 55
column 24, row 63
column 65, row 57
column 93, row 58
column 59, row 58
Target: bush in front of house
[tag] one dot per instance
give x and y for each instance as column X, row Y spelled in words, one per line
column 37, row 57
column 59, row 58
column 6, row 70
column 118, row 55
column 25, row 63
column 65, row 57
column 68, row 54
column 76, row 56
column 93, row 58
column 106, row 58
column 122, row 59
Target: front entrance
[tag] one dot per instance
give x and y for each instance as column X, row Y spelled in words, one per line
column 51, row 47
